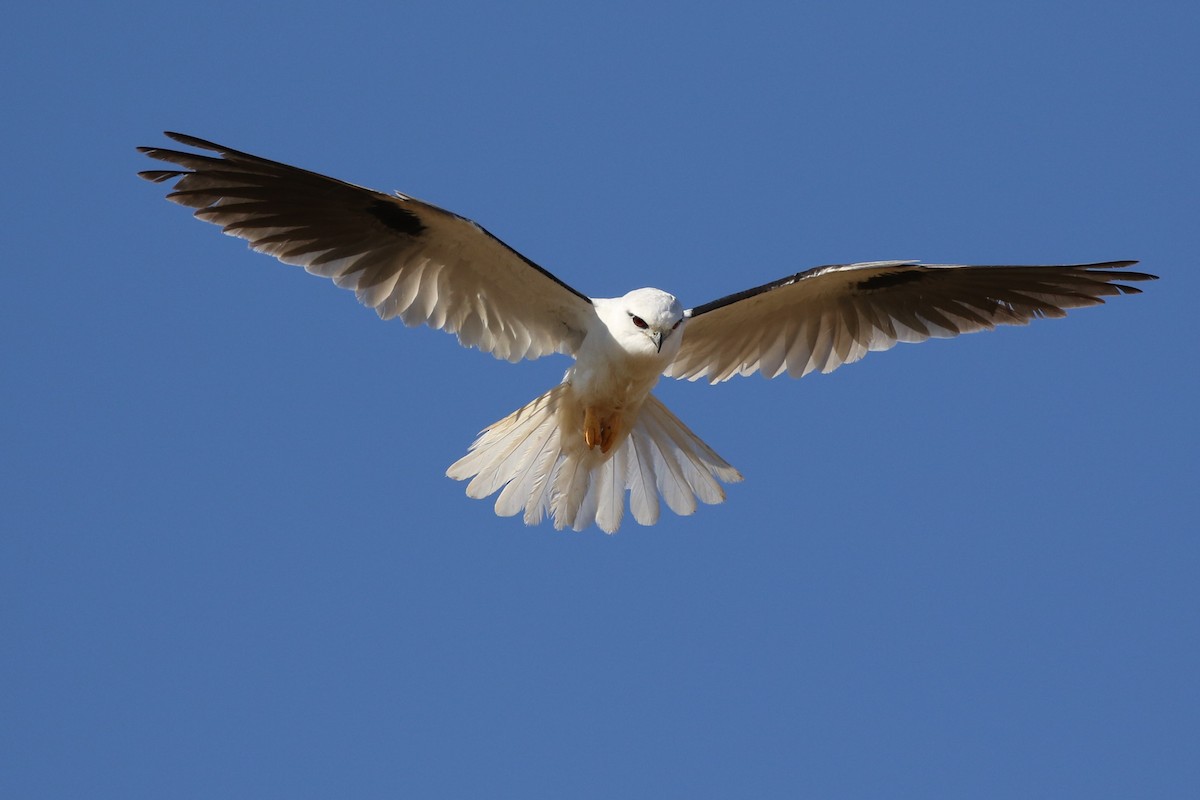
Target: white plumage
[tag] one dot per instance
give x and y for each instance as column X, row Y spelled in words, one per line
column 575, row 452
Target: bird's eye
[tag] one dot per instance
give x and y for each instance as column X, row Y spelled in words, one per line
column 676, row 325
column 641, row 323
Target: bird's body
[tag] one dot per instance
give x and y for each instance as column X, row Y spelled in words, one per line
column 618, row 364
column 575, row 452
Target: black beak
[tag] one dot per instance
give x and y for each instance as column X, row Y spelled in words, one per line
column 656, row 336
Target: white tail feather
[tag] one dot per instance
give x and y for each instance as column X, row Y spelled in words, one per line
column 537, row 459
column 643, row 494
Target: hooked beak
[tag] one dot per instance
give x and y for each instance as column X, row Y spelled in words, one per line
column 656, row 336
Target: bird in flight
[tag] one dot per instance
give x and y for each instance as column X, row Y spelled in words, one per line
column 573, row 453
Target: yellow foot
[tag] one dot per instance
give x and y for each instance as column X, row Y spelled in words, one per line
column 601, row 430
column 608, row 432
column 591, row 427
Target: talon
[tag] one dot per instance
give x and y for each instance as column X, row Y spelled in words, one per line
column 592, row 430
column 608, row 432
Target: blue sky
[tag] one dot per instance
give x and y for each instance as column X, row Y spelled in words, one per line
column 231, row 565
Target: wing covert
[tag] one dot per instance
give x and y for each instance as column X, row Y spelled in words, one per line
column 400, row 256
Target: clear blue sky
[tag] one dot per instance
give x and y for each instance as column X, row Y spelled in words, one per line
column 230, row 565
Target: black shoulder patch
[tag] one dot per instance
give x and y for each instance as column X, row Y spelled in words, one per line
column 889, row 279
column 396, row 218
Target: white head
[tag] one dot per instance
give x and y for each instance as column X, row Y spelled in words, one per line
column 647, row 322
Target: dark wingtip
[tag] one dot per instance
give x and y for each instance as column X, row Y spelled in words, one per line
column 1136, row 276
column 1125, row 276
column 193, row 141
column 159, row 175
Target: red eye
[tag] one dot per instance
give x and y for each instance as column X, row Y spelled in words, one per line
column 641, row 323
column 676, row 325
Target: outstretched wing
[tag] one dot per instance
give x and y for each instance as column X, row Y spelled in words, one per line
column 829, row 316
column 402, row 257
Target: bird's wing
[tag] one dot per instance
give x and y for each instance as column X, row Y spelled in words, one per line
column 829, row 316
column 402, row 257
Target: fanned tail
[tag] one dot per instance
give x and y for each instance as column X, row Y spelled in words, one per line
column 537, row 459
